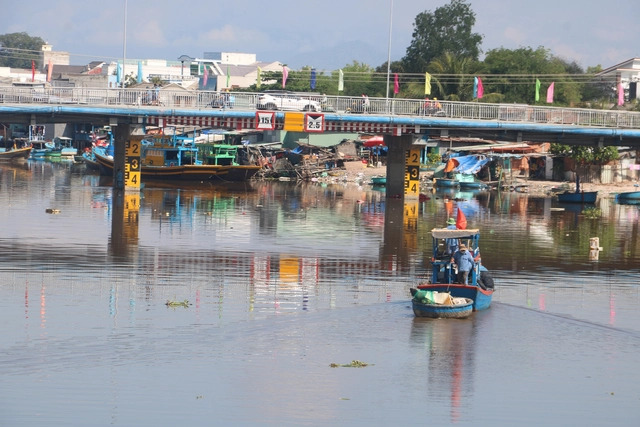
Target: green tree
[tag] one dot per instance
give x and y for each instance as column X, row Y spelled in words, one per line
column 452, row 77
column 19, row 49
column 447, row 29
column 513, row 73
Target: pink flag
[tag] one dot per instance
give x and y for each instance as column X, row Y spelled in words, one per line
column 206, row 77
column 49, row 70
column 480, row 88
column 33, row 70
column 620, row 94
column 550, row 93
column 396, row 84
column 285, row 74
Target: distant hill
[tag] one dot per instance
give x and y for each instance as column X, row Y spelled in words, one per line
column 335, row 57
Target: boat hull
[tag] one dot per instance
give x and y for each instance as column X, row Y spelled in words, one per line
column 186, row 172
column 628, row 198
column 581, row 197
column 14, row 155
column 439, row 311
column 446, row 183
column 481, row 297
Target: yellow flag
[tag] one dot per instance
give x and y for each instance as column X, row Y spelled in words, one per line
column 427, row 84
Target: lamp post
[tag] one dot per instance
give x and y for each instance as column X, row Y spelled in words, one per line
column 124, row 45
column 182, row 59
column 389, row 49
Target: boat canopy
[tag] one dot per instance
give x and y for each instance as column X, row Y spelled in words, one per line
column 445, row 233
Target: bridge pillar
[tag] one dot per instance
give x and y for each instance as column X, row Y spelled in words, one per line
column 121, row 135
column 398, row 162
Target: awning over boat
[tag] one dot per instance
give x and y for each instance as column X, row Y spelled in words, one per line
column 445, row 233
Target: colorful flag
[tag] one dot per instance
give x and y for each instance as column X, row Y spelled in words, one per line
column 259, row 78
column 228, row 78
column 396, row 84
column 480, row 88
column 205, row 80
column 312, row 83
column 537, row 90
column 49, row 71
column 550, row 93
column 461, row 220
column 285, row 74
column 475, row 87
column 340, row 81
column 620, row 94
column 139, row 72
column 427, row 84
column 33, row 70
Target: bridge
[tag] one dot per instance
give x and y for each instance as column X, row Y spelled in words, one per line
column 504, row 122
column 398, row 119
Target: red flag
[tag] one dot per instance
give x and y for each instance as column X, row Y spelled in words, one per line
column 461, row 220
column 480, row 88
column 396, row 84
column 33, row 71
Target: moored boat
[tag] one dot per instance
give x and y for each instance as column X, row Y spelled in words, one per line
column 628, row 198
column 378, row 180
column 479, row 288
column 437, row 305
column 446, row 183
column 167, row 158
column 15, row 154
column 578, row 197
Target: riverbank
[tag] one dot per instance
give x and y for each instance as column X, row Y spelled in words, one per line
column 356, row 173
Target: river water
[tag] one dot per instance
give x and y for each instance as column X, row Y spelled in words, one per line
column 281, row 280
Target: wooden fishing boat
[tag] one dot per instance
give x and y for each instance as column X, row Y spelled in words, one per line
column 378, row 180
column 469, row 182
column 169, row 158
column 578, row 197
column 479, row 288
column 446, row 183
column 629, row 198
column 15, row 155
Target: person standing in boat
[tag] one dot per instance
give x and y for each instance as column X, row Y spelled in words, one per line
column 464, row 260
column 451, row 244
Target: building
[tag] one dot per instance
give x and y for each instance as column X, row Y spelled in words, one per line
column 627, row 74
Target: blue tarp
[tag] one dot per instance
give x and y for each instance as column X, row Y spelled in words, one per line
column 471, row 164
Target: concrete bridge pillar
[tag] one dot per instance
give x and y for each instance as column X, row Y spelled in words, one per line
column 397, row 163
column 121, row 135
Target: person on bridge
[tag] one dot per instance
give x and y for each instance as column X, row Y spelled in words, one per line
column 365, row 103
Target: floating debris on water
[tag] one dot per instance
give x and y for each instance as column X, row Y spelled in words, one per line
column 353, row 364
column 52, row 211
column 171, row 303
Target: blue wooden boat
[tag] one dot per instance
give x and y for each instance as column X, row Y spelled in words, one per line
column 480, row 287
column 628, row 198
column 446, row 183
column 578, row 197
column 378, row 180
column 469, row 182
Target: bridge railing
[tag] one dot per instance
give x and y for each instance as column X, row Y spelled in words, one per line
column 202, row 100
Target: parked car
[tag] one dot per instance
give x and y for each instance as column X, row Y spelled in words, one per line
column 286, row 101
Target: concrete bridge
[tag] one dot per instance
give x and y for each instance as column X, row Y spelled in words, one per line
column 398, row 119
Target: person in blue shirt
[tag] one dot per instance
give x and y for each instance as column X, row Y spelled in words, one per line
column 464, row 261
column 451, row 244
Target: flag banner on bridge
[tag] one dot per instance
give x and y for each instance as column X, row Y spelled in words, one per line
column 265, row 120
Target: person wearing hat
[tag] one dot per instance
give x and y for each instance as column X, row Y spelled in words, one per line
column 451, row 244
column 464, row 260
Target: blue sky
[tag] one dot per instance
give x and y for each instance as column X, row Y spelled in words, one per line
column 326, row 34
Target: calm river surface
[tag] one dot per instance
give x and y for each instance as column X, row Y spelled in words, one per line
column 282, row 280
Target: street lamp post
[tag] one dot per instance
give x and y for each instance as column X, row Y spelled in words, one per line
column 124, row 45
